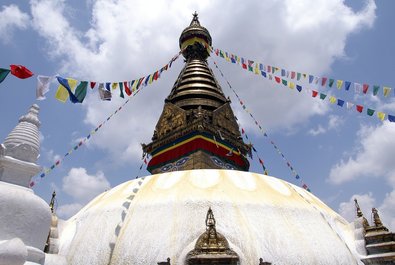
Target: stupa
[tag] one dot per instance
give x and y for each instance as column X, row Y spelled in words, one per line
column 199, row 206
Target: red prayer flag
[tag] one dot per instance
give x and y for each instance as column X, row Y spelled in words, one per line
column 20, row 71
column 314, row 93
column 293, row 75
column 260, row 161
column 242, row 130
column 365, row 88
column 127, row 89
column 278, row 79
column 359, row 108
column 323, row 81
column 304, row 186
column 93, row 84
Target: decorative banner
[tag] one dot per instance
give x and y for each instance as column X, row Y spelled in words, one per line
column 67, row 86
column 296, row 175
column 259, row 67
column 322, row 96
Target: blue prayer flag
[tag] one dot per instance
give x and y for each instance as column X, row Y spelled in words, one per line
column 347, row 85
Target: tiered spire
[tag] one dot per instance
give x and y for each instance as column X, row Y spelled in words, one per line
column 197, row 128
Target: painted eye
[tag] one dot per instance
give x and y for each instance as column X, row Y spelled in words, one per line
column 229, row 166
column 217, row 161
column 182, row 161
column 166, row 167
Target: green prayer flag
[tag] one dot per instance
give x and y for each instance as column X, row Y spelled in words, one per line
column 121, row 89
column 331, row 82
column 322, row 96
column 370, row 112
column 80, row 91
column 298, row 76
column 284, row 82
column 375, row 90
column 3, row 74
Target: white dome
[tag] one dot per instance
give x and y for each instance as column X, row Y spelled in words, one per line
column 144, row 221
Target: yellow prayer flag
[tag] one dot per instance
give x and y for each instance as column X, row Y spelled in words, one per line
column 151, row 77
column 256, row 71
column 62, row 94
column 339, row 84
column 114, row 86
column 386, row 90
column 381, row 115
column 291, row 85
column 332, row 99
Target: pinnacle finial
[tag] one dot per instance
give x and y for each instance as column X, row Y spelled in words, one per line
column 359, row 212
column 195, row 19
column 210, row 220
column 52, row 203
column 376, row 218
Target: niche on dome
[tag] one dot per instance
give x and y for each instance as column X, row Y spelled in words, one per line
column 212, row 247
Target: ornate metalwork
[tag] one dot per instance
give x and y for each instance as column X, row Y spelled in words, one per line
column 212, row 247
column 376, row 219
column 365, row 222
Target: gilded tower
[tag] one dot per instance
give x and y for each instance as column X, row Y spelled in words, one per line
column 197, row 128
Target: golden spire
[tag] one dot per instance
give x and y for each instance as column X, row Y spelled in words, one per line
column 376, row 219
column 365, row 222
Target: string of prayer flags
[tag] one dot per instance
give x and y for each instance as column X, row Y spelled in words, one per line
column 46, row 171
column 333, row 100
column 265, row 171
column 312, row 79
column 296, row 175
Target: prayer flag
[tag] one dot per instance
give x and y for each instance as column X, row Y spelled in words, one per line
column 104, row 94
column 299, row 88
column 127, row 89
column 370, row 112
column 340, row 102
column 284, row 82
column 260, row 161
column 322, row 96
column 278, row 80
column 63, row 93
column 357, row 87
column 323, row 81
column 375, row 90
column 298, row 75
column 108, row 86
column 304, row 186
column 359, row 108
column 365, row 88
column 347, row 85
column 250, row 65
column 121, row 90
column 331, row 82
column 291, row 85
column 311, row 78
column 332, row 99
column 292, row 75
column 146, row 80
column 43, row 83
column 269, row 68
column 349, row 105
column 297, row 177
column 391, row 118
column 93, row 84
column 80, row 91
column 20, row 71
column 282, row 72
column 314, row 93
column 339, row 83
column 114, row 86
column 386, row 91
column 242, row 131
column 381, row 115
column 3, row 74
column 263, row 74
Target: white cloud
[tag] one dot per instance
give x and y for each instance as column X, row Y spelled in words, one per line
column 334, row 123
column 82, row 186
column 373, row 158
column 367, row 202
column 303, row 36
column 11, row 17
column 67, row 210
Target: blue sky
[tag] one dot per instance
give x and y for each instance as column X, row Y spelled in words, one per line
column 339, row 153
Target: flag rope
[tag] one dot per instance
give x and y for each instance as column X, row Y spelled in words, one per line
column 292, row 169
column 35, row 180
column 314, row 93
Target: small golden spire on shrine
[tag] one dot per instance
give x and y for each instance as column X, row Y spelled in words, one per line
column 359, row 212
column 376, row 219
